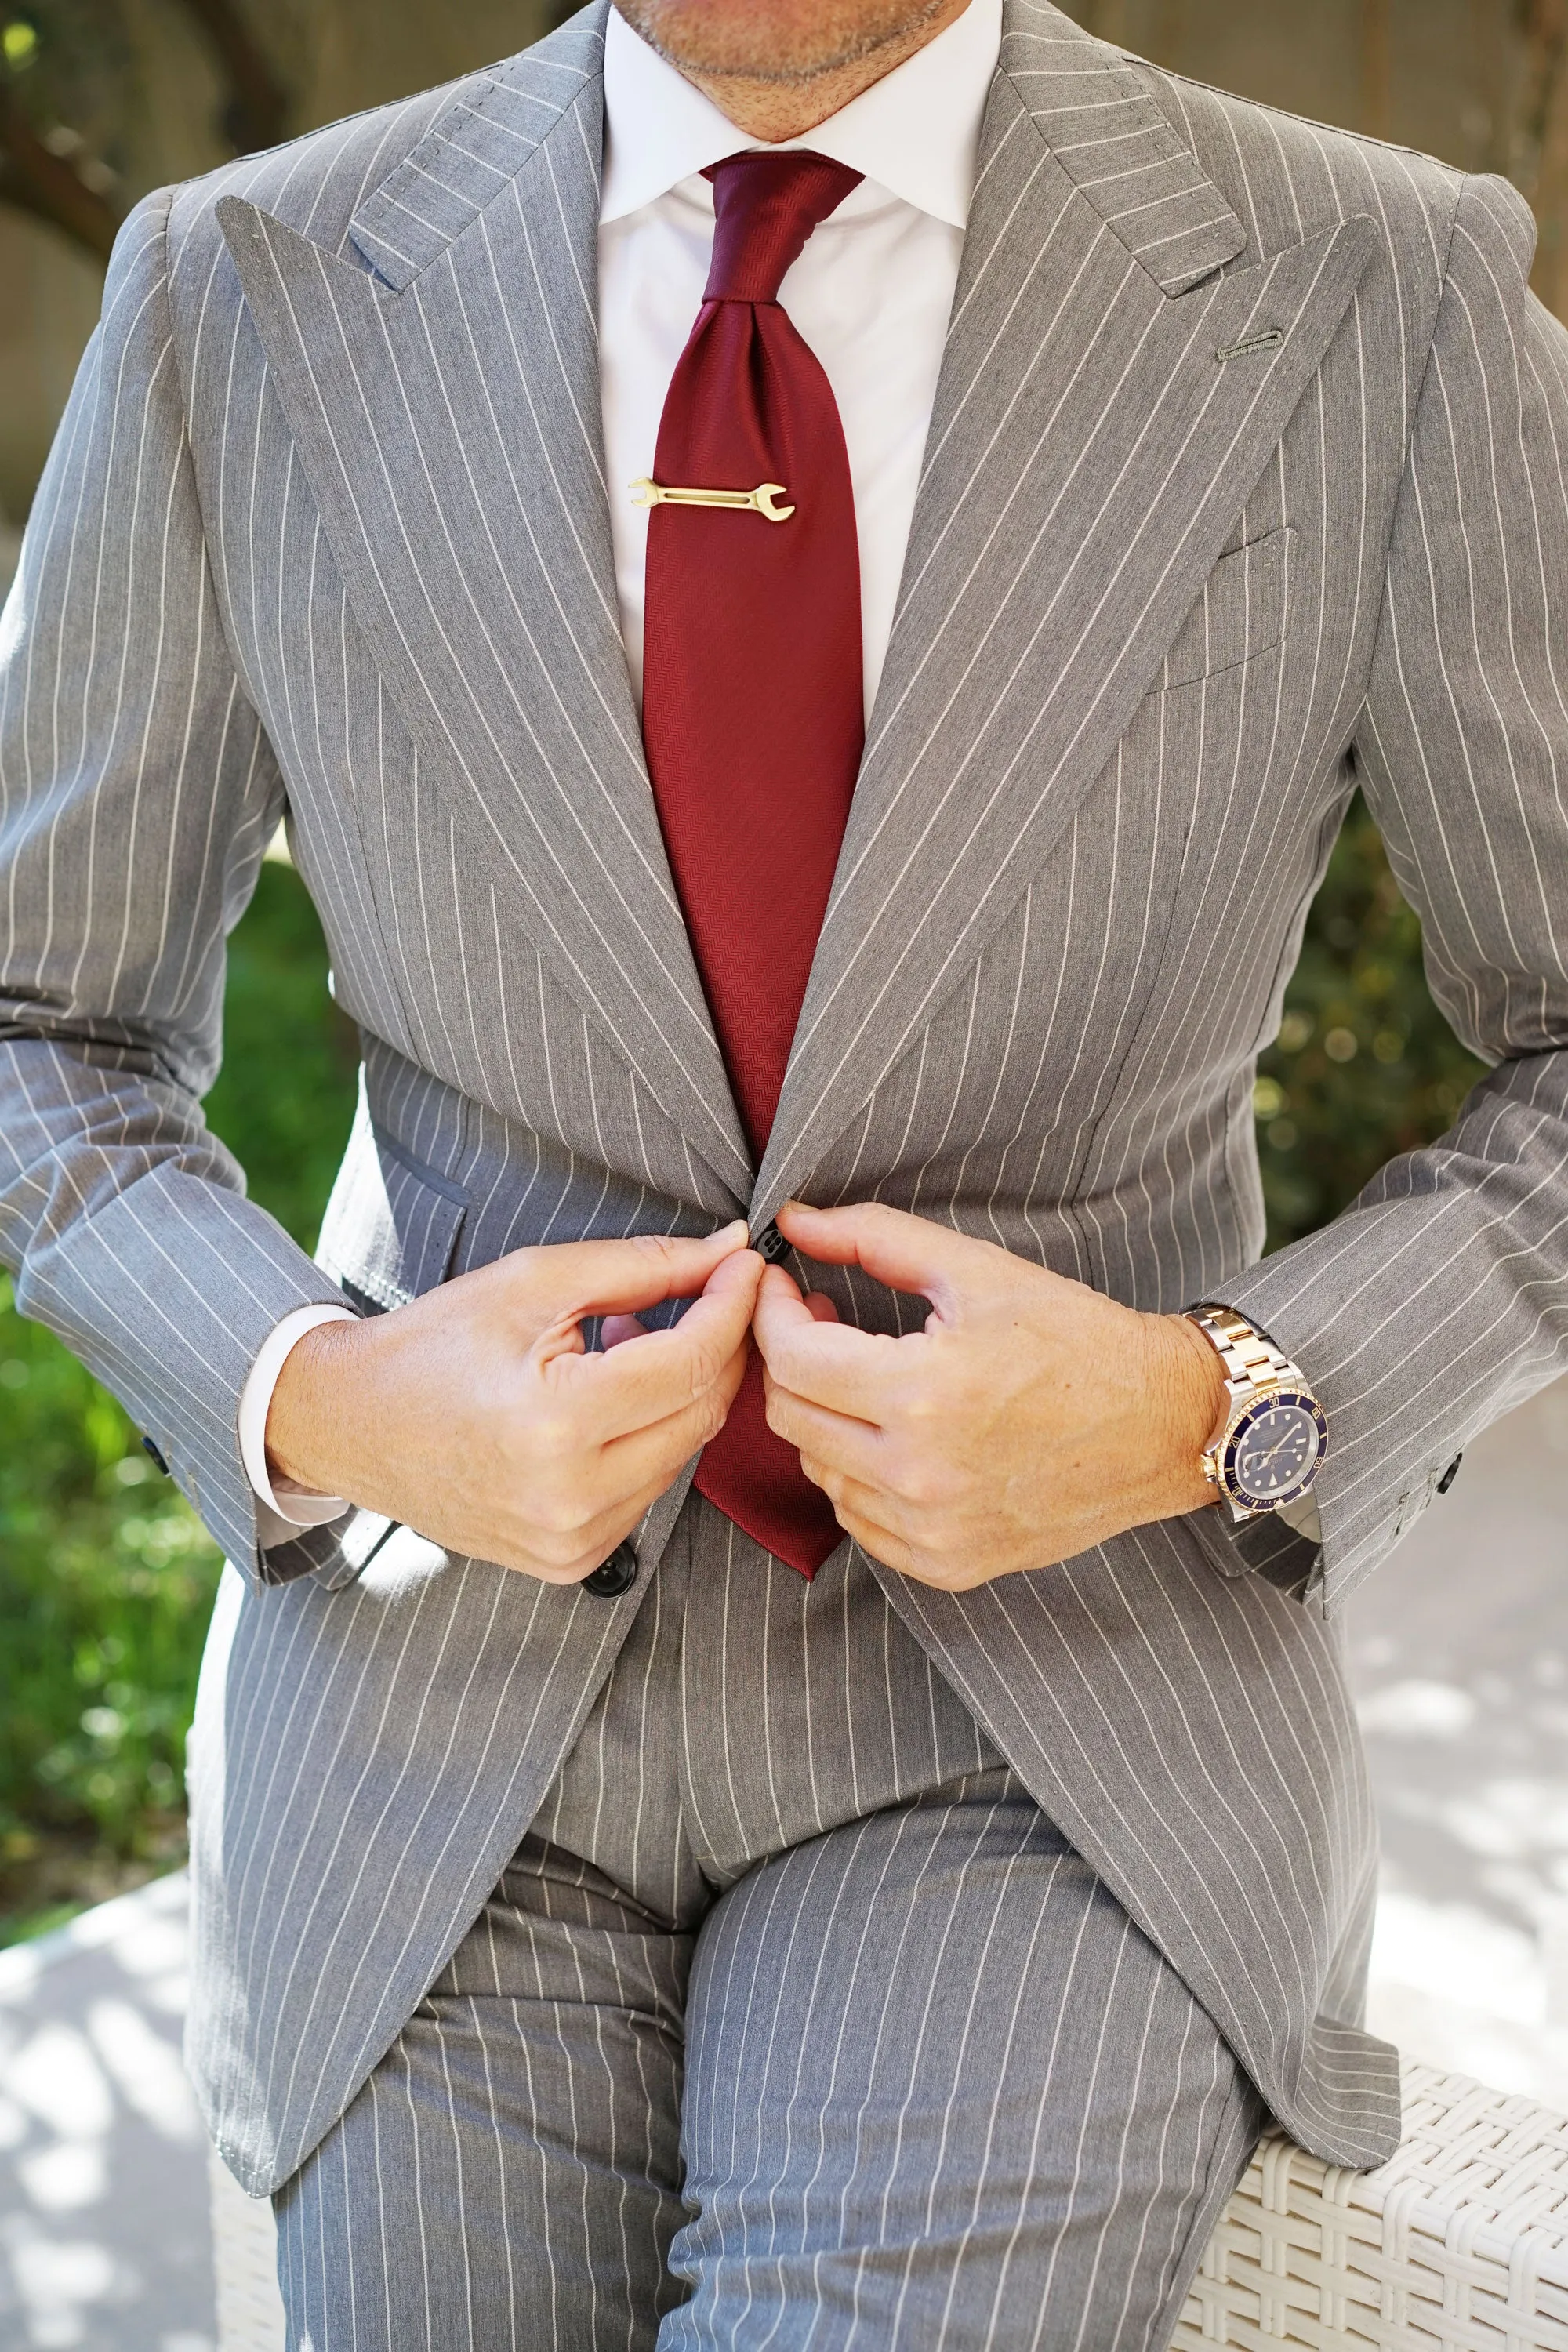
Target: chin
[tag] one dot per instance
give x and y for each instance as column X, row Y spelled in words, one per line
column 771, row 41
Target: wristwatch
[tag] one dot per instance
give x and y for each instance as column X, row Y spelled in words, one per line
column 1270, row 1444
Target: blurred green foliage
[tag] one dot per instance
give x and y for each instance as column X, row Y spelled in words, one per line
column 285, row 1097
column 71, row 61
column 1365, row 1066
column 106, row 1578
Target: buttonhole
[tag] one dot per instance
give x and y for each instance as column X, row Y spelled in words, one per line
column 1269, row 340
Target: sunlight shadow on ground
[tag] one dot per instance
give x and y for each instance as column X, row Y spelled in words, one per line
column 1459, row 1653
column 103, row 2239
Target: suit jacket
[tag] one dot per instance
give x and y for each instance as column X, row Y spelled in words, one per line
column 1244, row 487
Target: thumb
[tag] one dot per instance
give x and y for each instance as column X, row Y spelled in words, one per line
column 565, row 1281
column 780, row 1308
column 652, row 1372
column 907, row 1254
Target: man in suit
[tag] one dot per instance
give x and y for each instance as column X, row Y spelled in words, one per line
column 814, row 584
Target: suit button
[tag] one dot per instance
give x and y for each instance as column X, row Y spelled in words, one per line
column 614, row 1576
column 769, row 1244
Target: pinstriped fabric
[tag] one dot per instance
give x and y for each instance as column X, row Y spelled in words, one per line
column 480, row 142
column 326, row 531
column 1069, row 2169
column 852, row 2057
column 1121, row 151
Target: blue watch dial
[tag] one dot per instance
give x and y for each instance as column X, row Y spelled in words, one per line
column 1273, row 1452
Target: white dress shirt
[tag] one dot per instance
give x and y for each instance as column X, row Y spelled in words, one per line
column 871, row 293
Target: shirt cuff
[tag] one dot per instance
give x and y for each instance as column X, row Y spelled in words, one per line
column 1304, row 1516
column 285, row 1507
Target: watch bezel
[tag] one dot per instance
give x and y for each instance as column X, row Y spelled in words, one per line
column 1229, row 1477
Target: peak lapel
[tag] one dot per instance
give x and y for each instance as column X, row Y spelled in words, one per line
column 1117, row 147
column 1088, row 451
column 446, row 414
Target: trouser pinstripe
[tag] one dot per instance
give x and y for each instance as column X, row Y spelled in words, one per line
column 792, row 2022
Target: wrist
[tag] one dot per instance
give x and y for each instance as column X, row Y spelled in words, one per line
column 1189, row 1380
column 306, row 1414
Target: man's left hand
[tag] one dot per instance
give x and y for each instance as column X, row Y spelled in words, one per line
column 1031, row 1418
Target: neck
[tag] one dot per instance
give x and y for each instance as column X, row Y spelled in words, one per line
column 788, row 109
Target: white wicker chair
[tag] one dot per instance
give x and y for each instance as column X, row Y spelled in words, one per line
column 1460, row 2244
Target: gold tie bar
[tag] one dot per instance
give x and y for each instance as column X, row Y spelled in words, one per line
column 758, row 501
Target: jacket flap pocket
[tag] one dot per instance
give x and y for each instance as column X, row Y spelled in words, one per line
column 390, row 1225
column 1241, row 612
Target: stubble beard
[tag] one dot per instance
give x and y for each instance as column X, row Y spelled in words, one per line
column 766, row 42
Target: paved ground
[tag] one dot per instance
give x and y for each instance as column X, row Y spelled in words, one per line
column 1460, row 1653
column 104, row 2234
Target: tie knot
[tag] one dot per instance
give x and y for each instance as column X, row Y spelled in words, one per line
column 766, row 207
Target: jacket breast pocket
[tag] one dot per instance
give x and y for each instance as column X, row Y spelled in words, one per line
column 392, row 1224
column 1241, row 612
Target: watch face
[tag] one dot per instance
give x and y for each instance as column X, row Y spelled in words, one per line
column 1273, row 1452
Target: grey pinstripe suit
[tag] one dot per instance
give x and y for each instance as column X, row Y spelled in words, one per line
column 1245, row 485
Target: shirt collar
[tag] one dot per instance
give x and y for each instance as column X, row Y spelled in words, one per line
column 915, row 133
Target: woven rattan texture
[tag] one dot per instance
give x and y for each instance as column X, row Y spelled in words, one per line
column 1460, row 2244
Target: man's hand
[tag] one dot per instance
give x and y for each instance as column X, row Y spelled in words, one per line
column 476, row 1414
column 1031, row 1419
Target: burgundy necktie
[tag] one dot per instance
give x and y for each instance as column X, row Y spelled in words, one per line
column 753, row 703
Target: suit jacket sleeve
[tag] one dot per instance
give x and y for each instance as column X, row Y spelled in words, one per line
column 1440, row 1298
column 137, row 794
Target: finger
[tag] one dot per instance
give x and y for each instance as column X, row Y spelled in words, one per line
column 780, row 1306
column 642, row 1467
column 850, row 1448
column 852, row 1499
column 831, row 1364
column 564, row 1281
column 818, row 1305
column 906, row 1253
column 872, row 1534
column 636, row 1470
column 653, row 1455
column 594, row 1543
column 614, row 1328
column 648, row 1378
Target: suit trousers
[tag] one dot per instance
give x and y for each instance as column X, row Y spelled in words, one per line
column 792, row 2023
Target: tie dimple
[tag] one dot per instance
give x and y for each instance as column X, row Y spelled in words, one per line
column 752, row 705
column 766, row 207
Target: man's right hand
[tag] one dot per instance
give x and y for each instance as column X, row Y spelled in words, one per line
column 476, row 1415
